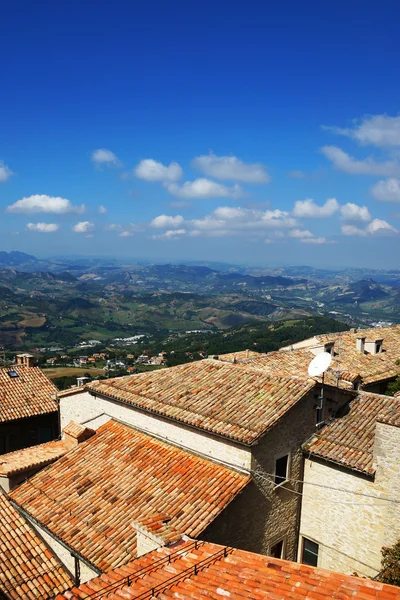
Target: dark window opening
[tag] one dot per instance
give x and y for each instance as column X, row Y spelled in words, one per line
column 310, row 553
column 277, row 550
column 12, row 374
column 281, row 469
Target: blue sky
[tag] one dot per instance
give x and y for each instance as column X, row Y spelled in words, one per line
column 253, row 132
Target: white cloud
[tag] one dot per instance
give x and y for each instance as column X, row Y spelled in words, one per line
column 40, row 203
column 83, row 227
column 43, row 227
column 102, row 210
column 164, row 221
column 125, row 234
column 314, row 240
column 387, row 190
column 308, row 208
column 171, row 234
column 113, row 227
column 5, row 172
column 226, row 220
column 344, row 162
column 377, row 130
column 300, row 233
column 105, row 158
column 354, row 212
column 151, row 170
column 376, row 227
column 204, row 188
column 231, row 168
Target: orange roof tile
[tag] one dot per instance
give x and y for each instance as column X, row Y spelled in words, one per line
column 27, row 568
column 221, row 398
column 27, row 395
column 349, row 439
column 32, row 457
column 195, row 572
column 347, row 365
column 90, row 497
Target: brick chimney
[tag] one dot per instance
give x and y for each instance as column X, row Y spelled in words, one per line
column 25, row 360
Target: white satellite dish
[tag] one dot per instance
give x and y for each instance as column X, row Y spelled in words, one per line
column 319, row 364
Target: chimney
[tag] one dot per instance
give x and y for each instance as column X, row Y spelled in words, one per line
column 74, row 434
column 155, row 532
column 360, row 344
column 329, row 348
column 25, row 360
column 374, row 347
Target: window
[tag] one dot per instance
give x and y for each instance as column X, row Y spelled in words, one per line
column 281, row 469
column 12, row 374
column 310, row 553
column 277, row 550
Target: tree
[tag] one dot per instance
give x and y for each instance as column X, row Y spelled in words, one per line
column 390, row 572
column 393, row 387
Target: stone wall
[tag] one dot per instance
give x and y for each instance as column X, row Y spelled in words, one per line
column 265, row 514
column 351, row 527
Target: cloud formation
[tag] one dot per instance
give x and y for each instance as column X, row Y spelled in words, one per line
column 231, row 168
column 43, row 227
column 125, row 234
column 368, row 166
column 377, row 130
column 165, row 221
column 204, row 188
column 105, row 158
column 41, row 203
column 354, row 212
column 300, row 234
column 309, row 209
column 171, row 234
column 83, row 227
column 152, row 170
column 315, row 240
column 5, row 172
column 102, row 210
column 376, row 227
column 387, row 190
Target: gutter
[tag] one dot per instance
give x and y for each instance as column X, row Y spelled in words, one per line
column 73, row 552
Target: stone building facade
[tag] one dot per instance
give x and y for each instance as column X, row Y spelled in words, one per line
column 351, row 510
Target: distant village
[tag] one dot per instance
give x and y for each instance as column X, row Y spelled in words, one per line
column 243, row 475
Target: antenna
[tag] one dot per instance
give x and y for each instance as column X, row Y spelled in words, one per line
column 317, row 367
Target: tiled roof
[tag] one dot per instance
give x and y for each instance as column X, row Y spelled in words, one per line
column 32, row 457
column 27, row 568
column 347, row 362
column 189, row 572
column 221, row 398
column 27, row 395
column 349, row 439
column 90, row 497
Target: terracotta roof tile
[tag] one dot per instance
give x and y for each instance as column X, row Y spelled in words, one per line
column 90, row 497
column 347, row 365
column 27, row 395
column 349, row 439
column 27, row 569
column 29, row 458
column 221, row 398
column 205, row 570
